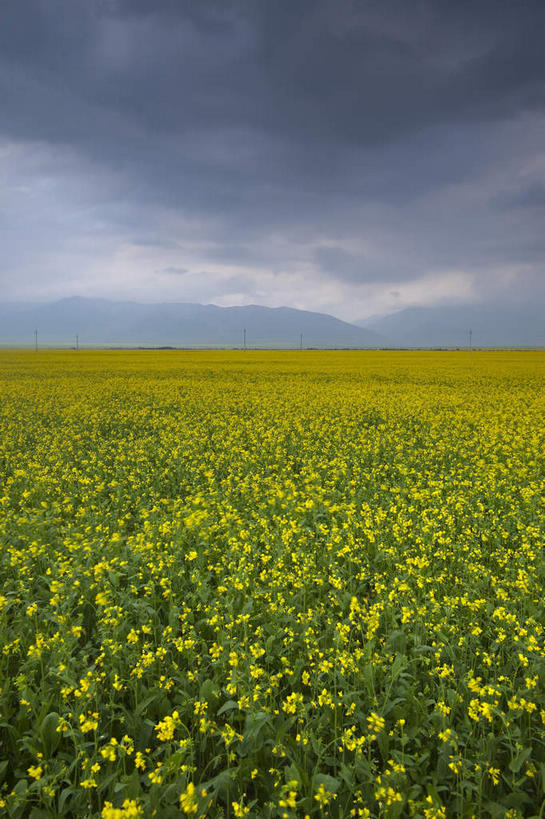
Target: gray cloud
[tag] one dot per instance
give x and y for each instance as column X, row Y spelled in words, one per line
column 341, row 264
column 531, row 195
column 351, row 145
column 174, row 271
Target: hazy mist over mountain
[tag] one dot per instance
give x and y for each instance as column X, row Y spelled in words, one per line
column 104, row 323
column 99, row 322
column 490, row 325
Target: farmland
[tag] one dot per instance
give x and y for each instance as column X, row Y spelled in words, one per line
column 272, row 584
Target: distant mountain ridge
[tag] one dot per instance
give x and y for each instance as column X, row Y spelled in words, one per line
column 105, row 323
column 491, row 326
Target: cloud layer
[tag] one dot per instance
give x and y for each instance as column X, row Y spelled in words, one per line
column 342, row 156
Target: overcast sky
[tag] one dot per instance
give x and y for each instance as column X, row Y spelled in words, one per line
column 345, row 156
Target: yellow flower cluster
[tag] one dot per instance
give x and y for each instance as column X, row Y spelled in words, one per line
column 129, row 810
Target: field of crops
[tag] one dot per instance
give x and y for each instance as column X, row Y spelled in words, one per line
column 272, row 584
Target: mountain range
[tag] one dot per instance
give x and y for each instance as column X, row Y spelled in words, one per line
column 491, row 325
column 104, row 323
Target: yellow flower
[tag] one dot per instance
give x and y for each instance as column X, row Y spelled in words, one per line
column 35, row 771
column 375, row 723
column 129, row 810
column 139, row 761
column 239, row 808
column 323, row 796
column 494, row 774
column 166, row 728
column 189, row 800
column 89, row 722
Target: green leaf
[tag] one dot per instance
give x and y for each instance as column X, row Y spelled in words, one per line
column 65, row 795
column 347, row 776
column 400, row 664
column 256, row 731
column 228, row 706
column 222, row 782
column 209, row 691
column 171, row 794
column 291, row 773
column 517, row 799
column 494, row 809
column 21, row 787
column 49, row 735
column 144, row 705
column 516, row 764
column 329, row 782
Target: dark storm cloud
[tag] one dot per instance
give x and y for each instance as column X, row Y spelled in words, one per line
column 317, row 68
column 276, row 135
column 324, row 72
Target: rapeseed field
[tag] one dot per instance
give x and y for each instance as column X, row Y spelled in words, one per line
column 272, row 584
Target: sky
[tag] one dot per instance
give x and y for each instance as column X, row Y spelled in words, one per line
column 354, row 157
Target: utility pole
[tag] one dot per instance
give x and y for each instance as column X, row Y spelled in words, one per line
column 301, row 342
column 77, row 342
column 470, row 335
column 35, row 341
column 245, row 339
